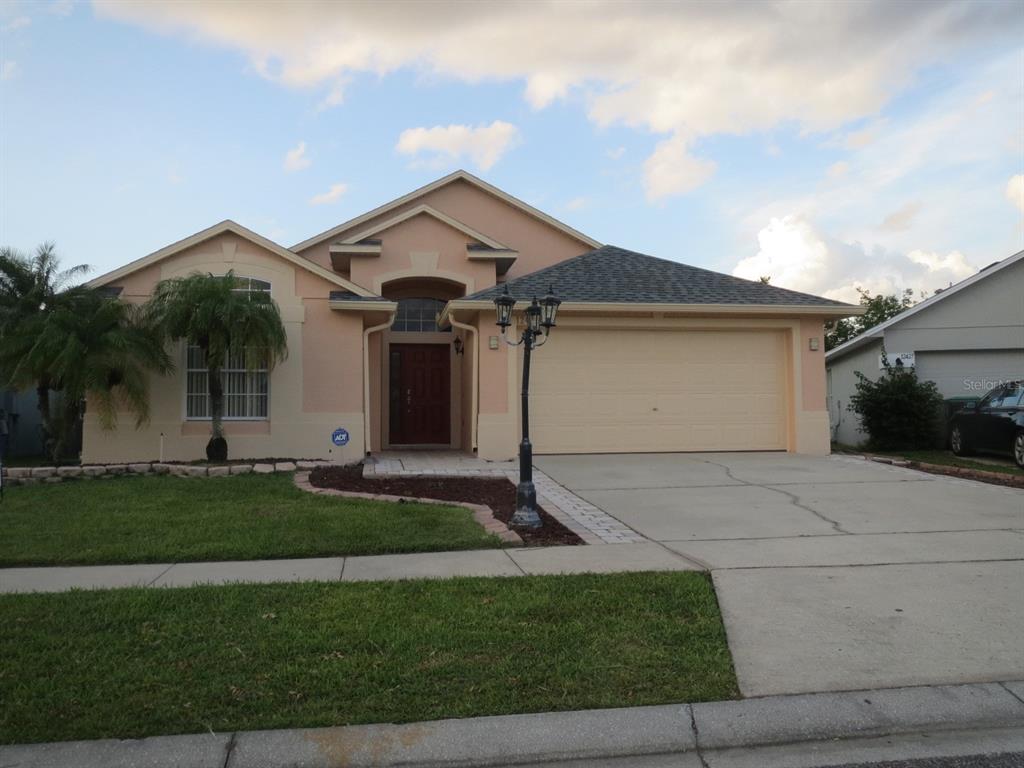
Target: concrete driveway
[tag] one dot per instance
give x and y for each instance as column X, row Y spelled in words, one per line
column 833, row 573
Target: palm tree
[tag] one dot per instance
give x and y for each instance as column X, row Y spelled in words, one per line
column 212, row 313
column 100, row 348
column 31, row 287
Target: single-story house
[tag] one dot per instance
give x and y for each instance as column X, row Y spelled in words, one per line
column 967, row 339
column 392, row 343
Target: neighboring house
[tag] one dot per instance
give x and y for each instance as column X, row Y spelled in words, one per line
column 392, row 338
column 966, row 339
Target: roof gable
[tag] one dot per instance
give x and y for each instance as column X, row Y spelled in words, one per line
column 878, row 330
column 611, row 275
column 219, row 229
column 425, row 210
column 451, row 178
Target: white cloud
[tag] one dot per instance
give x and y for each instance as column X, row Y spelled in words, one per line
column 335, row 96
column 484, row 144
column 19, row 22
column 796, row 256
column 900, row 219
column 616, row 153
column 1015, row 191
column 9, row 70
column 295, row 159
column 672, row 170
column 577, row 204
column 681, row 69
column 332, row 195
column 838, row 170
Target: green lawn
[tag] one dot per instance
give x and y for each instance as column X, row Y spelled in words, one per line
column 166, row 519
column 138, row 662
column 946, row 458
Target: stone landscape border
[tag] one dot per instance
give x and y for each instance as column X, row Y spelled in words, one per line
column 482, row 514
column 29, row 475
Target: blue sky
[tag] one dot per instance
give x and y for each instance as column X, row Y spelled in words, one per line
column 830, row 146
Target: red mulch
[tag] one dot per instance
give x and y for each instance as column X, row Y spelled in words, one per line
column 495, row 492
column 994, row 478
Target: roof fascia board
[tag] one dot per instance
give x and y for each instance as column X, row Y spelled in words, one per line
column 425, row 209
column 931, row 301
column 425, row 190
column 822, row 310
column 214, row 231
column 355, row 249
column 364, row 306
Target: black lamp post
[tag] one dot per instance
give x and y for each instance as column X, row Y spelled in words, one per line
column 540, row 319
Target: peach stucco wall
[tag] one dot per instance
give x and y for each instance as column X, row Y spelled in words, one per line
column 422, row 246
column 314, row 390
column 812, row 367
column 539, row 244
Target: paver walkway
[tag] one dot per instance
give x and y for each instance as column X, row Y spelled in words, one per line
column 647, row 556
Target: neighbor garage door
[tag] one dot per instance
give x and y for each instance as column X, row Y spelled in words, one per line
column 618, row 391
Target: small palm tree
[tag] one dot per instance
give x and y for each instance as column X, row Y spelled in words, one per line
column 31, row 288
column 212, row 313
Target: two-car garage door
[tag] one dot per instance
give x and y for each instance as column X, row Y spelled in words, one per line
column 620, row 391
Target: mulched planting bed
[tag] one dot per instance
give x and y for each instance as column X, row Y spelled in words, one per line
column 495, row 492
column 994, row 478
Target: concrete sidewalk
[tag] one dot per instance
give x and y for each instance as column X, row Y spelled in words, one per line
column 429, row 565
column 829, row 728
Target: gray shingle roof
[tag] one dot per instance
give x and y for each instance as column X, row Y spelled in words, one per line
column 349, row 296
column 615, row 275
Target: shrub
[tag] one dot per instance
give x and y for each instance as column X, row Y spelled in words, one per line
column 899, row 411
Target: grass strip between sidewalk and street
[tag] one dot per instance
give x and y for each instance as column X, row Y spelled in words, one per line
column 139, row 662
column 247, row 517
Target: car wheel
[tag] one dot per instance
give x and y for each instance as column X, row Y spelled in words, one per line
column 1018, row 449
column 957, row 442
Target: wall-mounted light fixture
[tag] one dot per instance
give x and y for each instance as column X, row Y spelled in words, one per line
column 813, row 344
column 458, row 345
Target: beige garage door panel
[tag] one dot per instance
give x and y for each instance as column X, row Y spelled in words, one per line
column 608, row 391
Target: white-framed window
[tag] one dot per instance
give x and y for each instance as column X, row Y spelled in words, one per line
column 246, row 392
column 418, row 315
column 251, row 285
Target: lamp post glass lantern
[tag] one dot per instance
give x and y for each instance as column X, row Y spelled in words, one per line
column 540, row 319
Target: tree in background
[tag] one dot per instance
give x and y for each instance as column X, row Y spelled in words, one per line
column 878, row 309
column 212, row 313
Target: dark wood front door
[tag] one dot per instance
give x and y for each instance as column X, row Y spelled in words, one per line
column 420, row 394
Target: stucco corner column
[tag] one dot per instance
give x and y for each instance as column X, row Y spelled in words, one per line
column 366, row 377
column 474, row 409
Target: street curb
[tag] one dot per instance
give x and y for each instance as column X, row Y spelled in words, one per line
column 555, row 737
